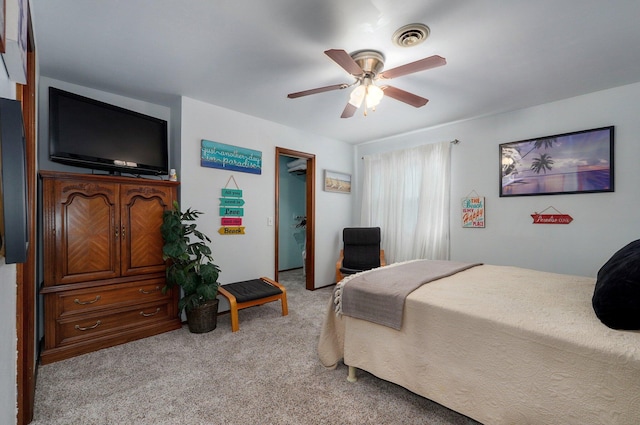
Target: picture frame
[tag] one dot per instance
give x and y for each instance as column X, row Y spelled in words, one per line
column 335, row 181
column 3, row 25
column 568, row 163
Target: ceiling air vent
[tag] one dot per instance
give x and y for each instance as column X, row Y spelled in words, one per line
column 411, row 35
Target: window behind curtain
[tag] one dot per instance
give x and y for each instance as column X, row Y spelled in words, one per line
column 406, row 194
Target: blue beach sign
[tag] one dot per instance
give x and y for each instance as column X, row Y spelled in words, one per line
column 231, row 158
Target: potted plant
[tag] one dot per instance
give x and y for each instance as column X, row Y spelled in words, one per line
column 191, row 268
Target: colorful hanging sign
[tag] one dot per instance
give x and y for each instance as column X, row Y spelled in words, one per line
column 231, row 209
column 231, row 221
column 231, row 202
column 231, row 230
column 558, row 218
column 233, row 212
column 231, row 158
column 231, row 193
column 473, row 211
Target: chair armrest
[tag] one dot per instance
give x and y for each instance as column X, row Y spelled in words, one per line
column 382, row 260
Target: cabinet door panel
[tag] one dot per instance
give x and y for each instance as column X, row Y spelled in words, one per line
column 141, row 212
column 86, row 232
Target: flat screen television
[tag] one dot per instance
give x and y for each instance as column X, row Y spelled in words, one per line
column 88, row 133
column 14, row 234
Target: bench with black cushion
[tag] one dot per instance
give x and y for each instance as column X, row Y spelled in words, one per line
column 250, row 293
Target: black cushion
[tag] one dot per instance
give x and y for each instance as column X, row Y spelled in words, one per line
column 361, row 249
column 616, row 298
column 250, row 290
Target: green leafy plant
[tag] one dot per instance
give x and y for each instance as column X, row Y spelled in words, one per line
column 191, row 264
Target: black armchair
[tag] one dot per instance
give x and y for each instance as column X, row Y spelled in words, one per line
column 361, row 251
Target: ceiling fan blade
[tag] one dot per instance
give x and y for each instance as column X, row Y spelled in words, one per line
column 349, row 110
column 404, row 96
column 343, row 59
column 318, row 90
column 410, row 68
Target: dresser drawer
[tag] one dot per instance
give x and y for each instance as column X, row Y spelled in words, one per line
column 75, row 328
column 109, row 296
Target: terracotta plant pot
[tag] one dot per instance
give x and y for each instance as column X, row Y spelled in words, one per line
column 203, row 318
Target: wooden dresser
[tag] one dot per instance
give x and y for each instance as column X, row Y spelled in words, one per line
column 103, row 266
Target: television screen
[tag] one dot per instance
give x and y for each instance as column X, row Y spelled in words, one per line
column 92, row 134
column 13, row 183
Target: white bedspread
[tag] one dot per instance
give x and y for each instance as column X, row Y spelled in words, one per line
column 502, row 345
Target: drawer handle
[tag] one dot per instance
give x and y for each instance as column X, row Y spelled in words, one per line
column 156, row 289
column 78, row 328
column 142, row 313
column 77, row 301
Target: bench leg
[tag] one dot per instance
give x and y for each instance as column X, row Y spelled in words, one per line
column 235, row 323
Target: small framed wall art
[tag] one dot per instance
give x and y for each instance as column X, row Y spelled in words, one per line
column 335, row 181
column 473, row 211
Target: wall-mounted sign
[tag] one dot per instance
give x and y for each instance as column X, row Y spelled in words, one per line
column 231, row 193
column 231, row 230
column 473, row 212
column 231, row 209
column 558, row 218
column 231, row 221
column 231, row 202
column 231, row 158
column 233, row 212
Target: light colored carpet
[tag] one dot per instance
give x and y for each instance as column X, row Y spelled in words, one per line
column 267, row 373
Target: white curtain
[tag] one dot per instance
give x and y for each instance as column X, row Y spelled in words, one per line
column 406, row 194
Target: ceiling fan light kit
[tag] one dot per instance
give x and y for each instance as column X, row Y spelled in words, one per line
column 367, row 92
column 366, row 66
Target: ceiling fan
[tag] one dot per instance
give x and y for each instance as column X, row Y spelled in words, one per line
column 366, row 66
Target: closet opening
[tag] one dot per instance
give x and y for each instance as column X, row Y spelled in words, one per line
column 295, row 213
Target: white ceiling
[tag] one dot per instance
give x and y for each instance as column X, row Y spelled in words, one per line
column 247, row 55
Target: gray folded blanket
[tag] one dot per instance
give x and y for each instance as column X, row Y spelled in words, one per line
column 378, row 295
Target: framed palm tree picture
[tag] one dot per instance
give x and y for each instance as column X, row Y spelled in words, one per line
column 577, row 162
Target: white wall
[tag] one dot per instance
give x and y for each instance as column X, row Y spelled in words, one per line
column 252, row 255
column 602, row 223
column 8, row 335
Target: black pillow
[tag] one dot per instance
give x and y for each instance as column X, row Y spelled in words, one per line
column 616, row 299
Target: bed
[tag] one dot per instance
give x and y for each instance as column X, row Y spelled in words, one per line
column 502, row 345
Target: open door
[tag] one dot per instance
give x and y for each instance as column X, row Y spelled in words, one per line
column 310, row 196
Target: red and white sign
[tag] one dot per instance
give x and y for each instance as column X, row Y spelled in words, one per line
column 551, row 218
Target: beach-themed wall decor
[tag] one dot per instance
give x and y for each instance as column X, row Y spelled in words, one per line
column 578, row 162
column 231, row 210
column 473, row 211
column 335, row 181
column 554, row 218
column 230, row 158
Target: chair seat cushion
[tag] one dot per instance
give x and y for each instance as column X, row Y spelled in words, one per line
column 250, row 290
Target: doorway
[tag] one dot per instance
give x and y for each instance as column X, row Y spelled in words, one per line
column 302, row 222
